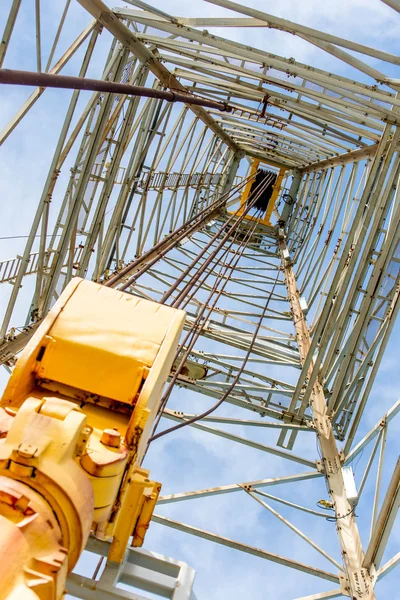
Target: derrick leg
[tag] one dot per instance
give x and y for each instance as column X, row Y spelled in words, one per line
column 358, row 582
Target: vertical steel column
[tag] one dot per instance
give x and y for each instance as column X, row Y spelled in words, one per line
column 359, row 583
column 294, row 188
column 45, row 199
column 230, row 177
column 9, row 29
column 275, row 193
column 94, row 145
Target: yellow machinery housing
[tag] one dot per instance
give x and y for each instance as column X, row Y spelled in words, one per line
column 266, row 220
column 75, row 419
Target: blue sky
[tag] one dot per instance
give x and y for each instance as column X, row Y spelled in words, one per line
column 188, row 459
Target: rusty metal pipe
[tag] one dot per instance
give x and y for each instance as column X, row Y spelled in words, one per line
column 32, row 78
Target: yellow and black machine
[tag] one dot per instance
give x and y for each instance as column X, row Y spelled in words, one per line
column 75, row 419
column 257, row 175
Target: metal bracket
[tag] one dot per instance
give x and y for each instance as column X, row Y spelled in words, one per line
column 344, row 584
column 141, row 573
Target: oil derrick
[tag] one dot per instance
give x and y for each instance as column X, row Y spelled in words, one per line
column 199, row 183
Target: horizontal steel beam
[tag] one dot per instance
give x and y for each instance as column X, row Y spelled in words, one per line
column 269, row 161
column 342, row 159
column 112, row 23
column 323, row 595
column 218, row 539
column 246, row 422
column 262, row 19
column 170, row 414
column 60, row 64
column 238, row 487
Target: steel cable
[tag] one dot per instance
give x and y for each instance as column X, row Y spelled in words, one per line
column 220, row 244
column 182, row 232
column 236, row 379
column 195, row 330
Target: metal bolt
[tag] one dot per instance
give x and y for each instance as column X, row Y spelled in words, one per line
column 26, row 450
column 111, row 437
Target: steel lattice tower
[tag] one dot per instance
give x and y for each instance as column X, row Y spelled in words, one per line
column 288, row 315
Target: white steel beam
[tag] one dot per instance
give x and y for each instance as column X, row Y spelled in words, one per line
column 384, row 522
column 347, row 58
column 218, row 539
column 291, row 67
column 218, row 66
column 170, row 168
column 245, row 422
column 170, row 414
column 392, row 412
column 369, row 464
column 295, row 529
column 342, row 159
column 360, row 581
column 8, row 29
column 291, row 504
column 60, row 64
column 147, row 571
column 323, row 595
column 388, row 566
column 110, row 21
column 262, row 19
column 237, row 487
column 346, row 265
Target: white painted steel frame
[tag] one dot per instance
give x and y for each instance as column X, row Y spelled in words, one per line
column 143, row 169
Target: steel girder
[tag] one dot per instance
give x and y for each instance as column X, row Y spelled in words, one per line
column 142, row 169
